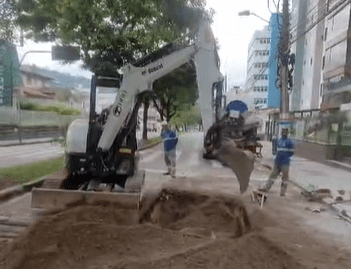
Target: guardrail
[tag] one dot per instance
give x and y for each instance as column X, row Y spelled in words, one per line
column 23, row 124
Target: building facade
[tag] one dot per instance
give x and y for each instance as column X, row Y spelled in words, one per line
column 321, row 41
column 336, row 58
column 262, row 67
column 307, row 38
column 257, row 69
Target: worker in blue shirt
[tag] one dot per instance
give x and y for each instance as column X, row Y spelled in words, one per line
column 282, row 162
column 170, row 140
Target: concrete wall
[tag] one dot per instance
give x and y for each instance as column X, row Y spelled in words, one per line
column 315, row 151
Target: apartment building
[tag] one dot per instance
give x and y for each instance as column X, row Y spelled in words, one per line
column 336, row 58
column 262, row 67
column 257, row 69
column 321, row 41
column 307, row 36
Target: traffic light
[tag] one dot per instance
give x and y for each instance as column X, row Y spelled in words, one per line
column 65, row 53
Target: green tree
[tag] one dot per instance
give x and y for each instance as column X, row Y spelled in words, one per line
column 111, row 33
column 7, row 20
column 189, row 115
column 177, row 89
column 146, row 98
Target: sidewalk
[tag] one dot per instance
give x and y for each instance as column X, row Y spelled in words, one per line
column 310, row 175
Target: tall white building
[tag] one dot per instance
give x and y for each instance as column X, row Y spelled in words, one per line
column 320, row 36
column 257, row 78
column 307, row 37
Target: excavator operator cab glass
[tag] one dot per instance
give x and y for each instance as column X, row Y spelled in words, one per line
column 106, row 91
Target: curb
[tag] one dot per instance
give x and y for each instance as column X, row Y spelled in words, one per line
column 14, row 191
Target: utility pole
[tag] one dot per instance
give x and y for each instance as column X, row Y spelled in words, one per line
column 284, row 62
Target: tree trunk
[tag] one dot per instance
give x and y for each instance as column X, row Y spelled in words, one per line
column 159, row 109
column 146, row 108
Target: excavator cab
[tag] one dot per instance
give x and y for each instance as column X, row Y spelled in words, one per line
column 83, row 159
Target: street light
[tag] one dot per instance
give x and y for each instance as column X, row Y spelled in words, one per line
column 248, row 13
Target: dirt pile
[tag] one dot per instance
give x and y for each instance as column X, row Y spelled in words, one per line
column 180, row 230
column 179, row 209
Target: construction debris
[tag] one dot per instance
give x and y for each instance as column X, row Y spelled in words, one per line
column 260, row 197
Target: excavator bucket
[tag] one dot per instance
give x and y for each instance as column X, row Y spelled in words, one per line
column 240, row 161
column 51, row 197
column 57, row 199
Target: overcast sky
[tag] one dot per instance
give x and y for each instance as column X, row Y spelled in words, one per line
column 232, row 31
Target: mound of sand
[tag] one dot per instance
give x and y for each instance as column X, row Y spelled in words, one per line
column 179, row 230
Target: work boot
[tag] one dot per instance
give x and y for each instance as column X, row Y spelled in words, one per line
column 168, row 172
column 267, row 186
column 283, row 188
column 173, row 172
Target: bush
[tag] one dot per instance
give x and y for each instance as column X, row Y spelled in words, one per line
column 59, row 109
column 70, row 111
column 29, row 106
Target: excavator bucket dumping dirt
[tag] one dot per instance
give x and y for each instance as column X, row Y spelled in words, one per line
column 240, row 161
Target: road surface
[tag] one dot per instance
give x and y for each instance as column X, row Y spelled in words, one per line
column 22, row 154
column 189, row 159
column 16, row 214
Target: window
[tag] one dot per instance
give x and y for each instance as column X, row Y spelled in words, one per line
column 311, row 61
column 325, row 34
column 29, row 80
column 261, row 52
column 264, row 40
column 323, row 62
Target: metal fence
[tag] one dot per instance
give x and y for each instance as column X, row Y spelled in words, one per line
column 19, row 124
